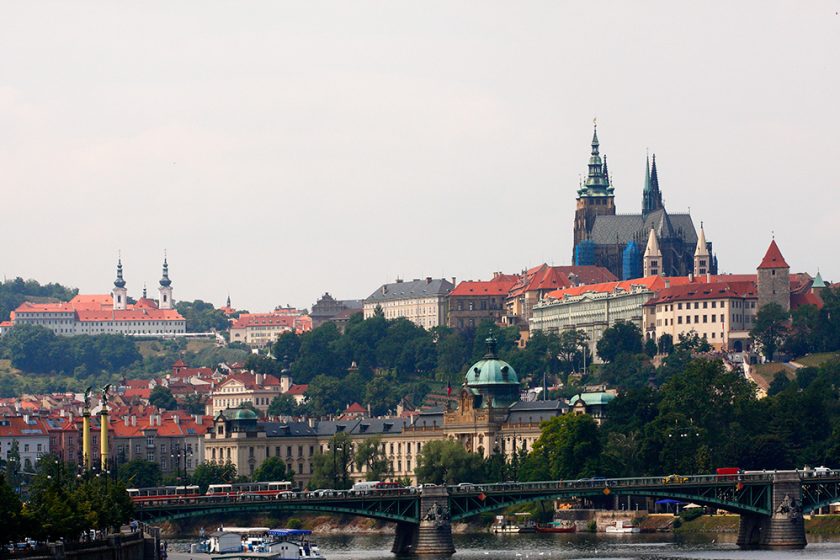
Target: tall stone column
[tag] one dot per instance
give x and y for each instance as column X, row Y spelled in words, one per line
column 434, row 535
column 103, row 438
column 86, row 438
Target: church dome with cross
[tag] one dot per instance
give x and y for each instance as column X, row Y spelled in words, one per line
column 493, row 381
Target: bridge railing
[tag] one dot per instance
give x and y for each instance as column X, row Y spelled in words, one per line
column 598, row 482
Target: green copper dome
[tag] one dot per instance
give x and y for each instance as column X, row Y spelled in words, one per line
column 240, row 414
column 490, row 370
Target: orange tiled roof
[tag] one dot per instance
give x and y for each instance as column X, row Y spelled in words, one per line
column 297, row 389
column 773, row 257
column 500, row 285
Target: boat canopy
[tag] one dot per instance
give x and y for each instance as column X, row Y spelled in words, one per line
column 289, row 532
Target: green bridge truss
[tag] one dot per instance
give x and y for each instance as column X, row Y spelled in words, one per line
column 738, row 494
column 405, row 508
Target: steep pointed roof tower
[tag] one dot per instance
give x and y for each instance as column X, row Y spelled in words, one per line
column 651, row 196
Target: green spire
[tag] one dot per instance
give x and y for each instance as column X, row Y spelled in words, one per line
column 597, row 182
column 818, row 281
column 647, row 173
column 651, row 197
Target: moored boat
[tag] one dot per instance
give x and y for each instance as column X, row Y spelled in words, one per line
column 556, row 527
column 621, row 527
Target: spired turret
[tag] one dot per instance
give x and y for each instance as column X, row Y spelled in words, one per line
column 119, row 293
column 652, row 260
column 165, row 289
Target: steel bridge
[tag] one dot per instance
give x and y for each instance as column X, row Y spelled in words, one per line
column 770, row 503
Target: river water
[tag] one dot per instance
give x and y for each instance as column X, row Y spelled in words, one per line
column 568, row 547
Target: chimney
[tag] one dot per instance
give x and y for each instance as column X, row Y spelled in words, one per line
column 26, row 419
column 133, row 420
column 258, row 379
column 198, row 419
column 176, row 419
column 690, row 277
column 428, row 279
column 125, row 421
column 453, row 280
column 708, row 278
column 667, row 282
column 311, row 422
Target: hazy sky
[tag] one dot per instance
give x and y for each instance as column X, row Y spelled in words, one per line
column 278, row 150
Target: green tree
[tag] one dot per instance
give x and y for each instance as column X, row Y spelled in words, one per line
column 53, row 508
column 208, row 473
column 194, row 404
column 201, row 316
column 283, row 405
column 326, row 395
column 162, row 397
column 568, row 447
column 331, row 469
column 10, row 512
column 665, row 344
column 447, row 462
column 273, row 469
column 621, row 338
column 370, row 455
column 139, row 473
column 572, row 344
column 318, row 355
column 770, row 328
column 287, row 347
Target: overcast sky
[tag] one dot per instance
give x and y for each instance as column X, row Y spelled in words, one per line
column 278, row 150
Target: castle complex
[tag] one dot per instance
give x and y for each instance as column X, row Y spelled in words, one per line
column 617, row 241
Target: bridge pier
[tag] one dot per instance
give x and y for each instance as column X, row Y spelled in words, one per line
column 785, row 527
column 434, row 533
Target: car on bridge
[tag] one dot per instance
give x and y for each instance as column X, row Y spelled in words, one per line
column 674, row 479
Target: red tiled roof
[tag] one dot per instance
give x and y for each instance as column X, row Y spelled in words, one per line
column 263, row 319
column 546, row 277
column 137, row 383
column 249, row 380
column 702, row 290
column 18, row 428
column 100, row 308
column 773, row 258
column 138, row 393
column 297, row 389
column 807, row 298
column 500, row 285
column 179, row 363
column 355, row 408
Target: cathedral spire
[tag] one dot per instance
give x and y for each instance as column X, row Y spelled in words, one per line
column 702, row 249
column 597, row 182
column 651, row 196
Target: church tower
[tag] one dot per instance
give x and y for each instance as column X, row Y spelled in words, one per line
column 595, row 196
column 120, row 293
column 702, row 257
column 652, row 261
column 774, row 278
column 651, row 195
column 165, row 289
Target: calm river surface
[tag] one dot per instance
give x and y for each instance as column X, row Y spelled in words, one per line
column 559, row 546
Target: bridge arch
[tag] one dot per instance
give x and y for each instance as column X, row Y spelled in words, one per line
column 470, row 506
column 399, row 511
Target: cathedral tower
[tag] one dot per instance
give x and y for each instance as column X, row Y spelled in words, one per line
column 652, row 261
column 702, row 257
column 120, row 293
column 165, row 289
column 595, row 196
